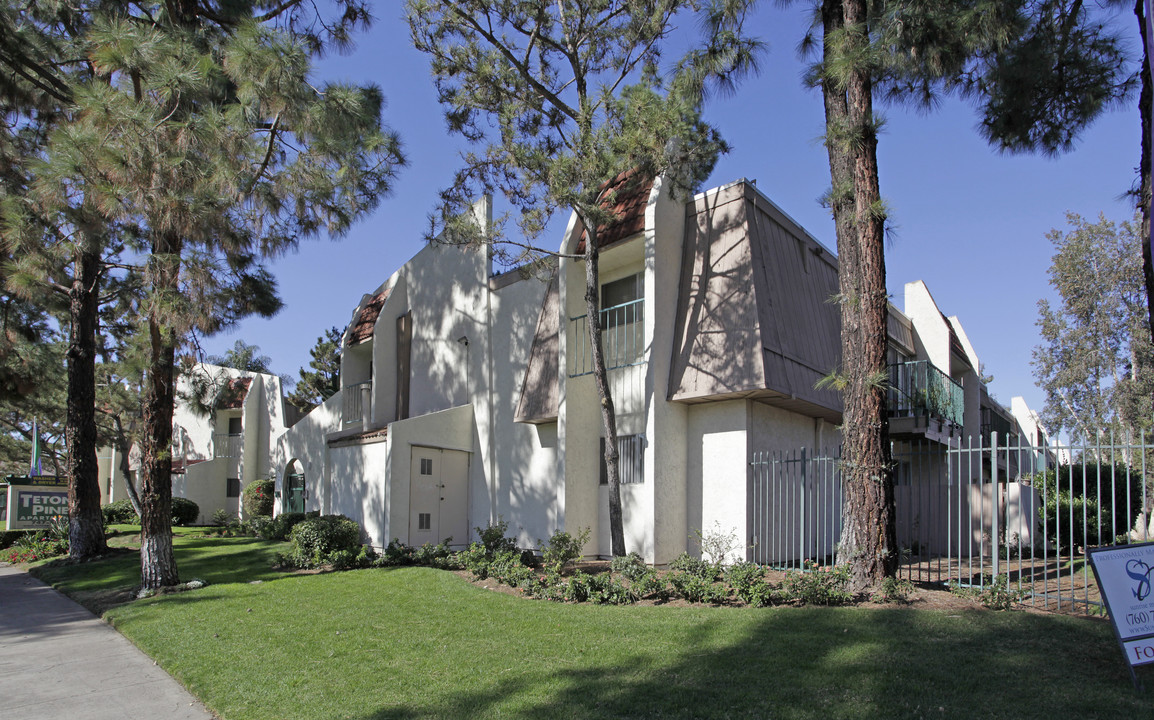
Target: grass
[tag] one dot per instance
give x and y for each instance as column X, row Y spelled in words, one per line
column 417, row 643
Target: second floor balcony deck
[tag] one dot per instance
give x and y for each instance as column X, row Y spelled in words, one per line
column 923, row 400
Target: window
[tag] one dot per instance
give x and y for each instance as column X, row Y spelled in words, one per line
column 631, row 459
column 235, row 426
column 426, row 466
column 622, row 320
column 233, row 488
column 425, row 521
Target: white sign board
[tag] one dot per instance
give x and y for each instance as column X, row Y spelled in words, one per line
column 1125, row 575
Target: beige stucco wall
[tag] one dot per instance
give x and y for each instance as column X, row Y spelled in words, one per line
column 305, row 443
column 361, row 494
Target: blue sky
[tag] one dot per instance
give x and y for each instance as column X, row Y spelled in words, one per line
column 968, row 221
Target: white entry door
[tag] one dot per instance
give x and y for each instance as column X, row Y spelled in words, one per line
column 438, row 496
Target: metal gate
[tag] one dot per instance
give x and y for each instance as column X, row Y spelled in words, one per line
column 967, row 514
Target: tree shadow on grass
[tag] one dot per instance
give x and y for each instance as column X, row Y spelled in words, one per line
column 821, row 663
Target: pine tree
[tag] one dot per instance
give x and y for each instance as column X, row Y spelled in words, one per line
column 994, row 51
column 208, row 141
column 561, row 97
column 323, row 380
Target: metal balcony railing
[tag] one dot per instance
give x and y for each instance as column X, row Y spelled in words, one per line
column 919, row 388
column 622, row 338
column 353, row 414
column 227, row 445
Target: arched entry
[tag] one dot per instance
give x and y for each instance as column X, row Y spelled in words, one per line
column 294, row 488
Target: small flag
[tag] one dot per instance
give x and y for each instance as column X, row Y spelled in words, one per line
column 35, row 470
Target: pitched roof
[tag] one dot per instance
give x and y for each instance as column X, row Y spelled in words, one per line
column 362, row 328
column 626, row 197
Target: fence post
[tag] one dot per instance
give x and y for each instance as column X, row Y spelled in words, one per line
column 997, row 505
column 802, row 540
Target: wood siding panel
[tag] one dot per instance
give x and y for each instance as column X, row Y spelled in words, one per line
column 716, row 339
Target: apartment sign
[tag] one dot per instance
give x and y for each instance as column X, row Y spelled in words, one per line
column 1125, row 575
column 32, row 508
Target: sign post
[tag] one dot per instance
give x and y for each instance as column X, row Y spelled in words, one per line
column 1125, row 574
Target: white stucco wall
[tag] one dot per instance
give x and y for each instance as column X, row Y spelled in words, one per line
column 305, row 443
column 361, row 494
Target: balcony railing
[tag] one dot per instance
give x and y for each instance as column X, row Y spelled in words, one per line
column 622, row 338
column 353, row 409
column 921, row 389
column 227, row 445
column 992, row 422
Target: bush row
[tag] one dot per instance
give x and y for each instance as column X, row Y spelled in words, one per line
column 121, row 512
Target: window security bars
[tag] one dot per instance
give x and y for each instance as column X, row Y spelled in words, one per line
column 967, row 515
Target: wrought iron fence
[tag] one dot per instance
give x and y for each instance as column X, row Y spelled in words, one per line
column 971, row 514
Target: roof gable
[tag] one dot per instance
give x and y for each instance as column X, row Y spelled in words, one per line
column 362, row 327
column 625, row 197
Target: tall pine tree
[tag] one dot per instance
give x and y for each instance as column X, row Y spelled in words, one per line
column 209, row 140
column 561, row 97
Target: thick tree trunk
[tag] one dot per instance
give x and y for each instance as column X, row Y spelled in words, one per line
column 1145, row 100
column 85, row 522
column 868, row 540
column 157, row 562
column 601, row 378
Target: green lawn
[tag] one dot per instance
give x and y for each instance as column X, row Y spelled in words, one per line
column 415, row 642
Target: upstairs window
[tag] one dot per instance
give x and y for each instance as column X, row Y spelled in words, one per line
column 623, row 320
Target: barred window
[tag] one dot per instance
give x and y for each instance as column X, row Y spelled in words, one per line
column 631, row 462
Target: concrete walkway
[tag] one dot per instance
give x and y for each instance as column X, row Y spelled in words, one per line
column 57, row 660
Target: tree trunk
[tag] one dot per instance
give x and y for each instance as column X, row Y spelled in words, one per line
column 123, row 448
column 601, row 378
column 85, row 522
column 157, row 562
column 868, row 540
column 1145, row 100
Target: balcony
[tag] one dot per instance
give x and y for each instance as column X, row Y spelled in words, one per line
column 622, row 338
column 923, row 400
column 227, row 445
column 353, row 412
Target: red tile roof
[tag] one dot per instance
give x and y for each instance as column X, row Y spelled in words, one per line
column 626, row 197
column 232, row 395
column 362, row 328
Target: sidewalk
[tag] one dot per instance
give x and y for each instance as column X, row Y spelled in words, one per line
column 57, row 660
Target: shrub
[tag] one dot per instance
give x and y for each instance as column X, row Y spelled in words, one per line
column 687, row 564
column 717, row 545
column 38, row 545
column 257, row 498
column 315, row 540
column 1072, row 490
column 631, row 566
column 604, row 589
column 184, row 511
column 9, row 537
column 438, row 556
column 817, row 585
column 220, row 518
column 506, row 567
column 563, row 549
column 476, row 560
column 120, row 513
column 577, row 589
column 493, row 538
column 749, row 585
column 279, row 527
column 995, row 593
column 695, row 588
column 896, row 590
